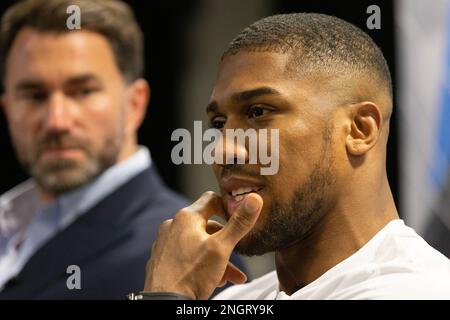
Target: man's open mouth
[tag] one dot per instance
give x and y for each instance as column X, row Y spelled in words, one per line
column 239, row 193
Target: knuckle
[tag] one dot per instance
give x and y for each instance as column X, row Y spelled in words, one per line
column 182, row 213
column 164, row 226
column 210, row 195
column 215, row 225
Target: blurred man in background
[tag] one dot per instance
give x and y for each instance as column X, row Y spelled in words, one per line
column 74, row 100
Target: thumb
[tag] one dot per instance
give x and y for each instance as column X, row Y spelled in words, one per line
column 242, row 220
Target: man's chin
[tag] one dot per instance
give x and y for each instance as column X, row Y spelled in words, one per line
column 250, row 245
column 61, row 180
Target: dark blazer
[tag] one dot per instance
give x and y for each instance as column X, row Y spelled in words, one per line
column 110, row 243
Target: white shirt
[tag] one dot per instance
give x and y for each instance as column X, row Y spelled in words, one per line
column 395, row 264
column 25, row 226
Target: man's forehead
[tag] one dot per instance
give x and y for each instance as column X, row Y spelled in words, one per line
column 72, row 54
column 246, row 71
column 253, row 65
column 249, row 73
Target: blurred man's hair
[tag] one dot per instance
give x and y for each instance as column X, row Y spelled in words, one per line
column 316, row 43
column 111, row 18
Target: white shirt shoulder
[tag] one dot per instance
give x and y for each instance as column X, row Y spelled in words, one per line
column 265, row 287
column 395, row 264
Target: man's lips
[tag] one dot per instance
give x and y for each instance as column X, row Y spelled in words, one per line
column 235, row 189
column 61, row 152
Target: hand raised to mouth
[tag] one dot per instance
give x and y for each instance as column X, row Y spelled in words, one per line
column 190, row 255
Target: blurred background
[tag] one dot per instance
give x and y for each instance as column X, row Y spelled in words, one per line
column 184, row 42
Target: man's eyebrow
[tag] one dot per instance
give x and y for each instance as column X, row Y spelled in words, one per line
column 81, row 79
column 249, row 94
column 29, row 84
column 33, row 84
column 244, row 95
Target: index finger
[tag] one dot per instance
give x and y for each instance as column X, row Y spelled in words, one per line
column 207, row 205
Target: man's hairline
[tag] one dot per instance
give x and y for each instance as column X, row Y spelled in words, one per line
column 61, row 32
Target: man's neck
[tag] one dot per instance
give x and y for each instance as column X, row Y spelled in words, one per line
column 340, row 233
column 44, row 197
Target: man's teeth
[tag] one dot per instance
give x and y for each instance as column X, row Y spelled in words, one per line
column 238, row 193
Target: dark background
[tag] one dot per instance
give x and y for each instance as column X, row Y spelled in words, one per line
column 164, row 25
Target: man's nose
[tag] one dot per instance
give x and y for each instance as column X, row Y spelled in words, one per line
column 231, row 150
column 59, row 116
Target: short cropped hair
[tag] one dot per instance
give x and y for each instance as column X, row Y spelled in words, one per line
column 316, row 42
column 111, row 18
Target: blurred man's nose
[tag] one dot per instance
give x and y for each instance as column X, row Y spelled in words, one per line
column 59, row 117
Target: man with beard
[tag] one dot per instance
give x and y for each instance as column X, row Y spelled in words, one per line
column 328, row 214
column 74, row 101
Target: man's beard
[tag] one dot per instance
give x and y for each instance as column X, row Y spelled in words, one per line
column 288, row 223
column 58, row 176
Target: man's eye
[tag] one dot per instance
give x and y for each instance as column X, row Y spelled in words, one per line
column 83, row 92
column 217, row 122
column 256, row 111
column 86, row 91
column 37, row 96
column 34, row 96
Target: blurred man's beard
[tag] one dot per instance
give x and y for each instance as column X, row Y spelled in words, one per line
column 287, row 223
column 58, row 176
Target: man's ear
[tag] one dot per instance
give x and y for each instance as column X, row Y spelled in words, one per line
column 365, row 127
column 138, row 98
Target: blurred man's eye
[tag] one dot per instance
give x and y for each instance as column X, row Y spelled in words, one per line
column 35, row 96
column 84, row 91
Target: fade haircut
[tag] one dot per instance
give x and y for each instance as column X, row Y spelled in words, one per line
column 316, row 43
column 112, row 19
